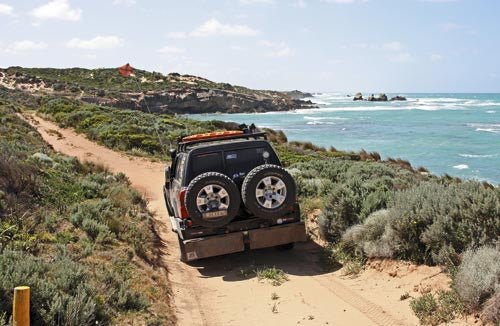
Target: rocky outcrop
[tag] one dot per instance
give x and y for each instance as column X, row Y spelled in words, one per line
column 381, row 98
column 172, row 93
column 358, row 97
column 201, row 100
column 298, row 95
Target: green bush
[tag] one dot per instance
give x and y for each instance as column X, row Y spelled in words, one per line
column 433, row 219
column 437, row 309
column 349, row 204
column 60, row 289
column 371, row 238
column 478, row 277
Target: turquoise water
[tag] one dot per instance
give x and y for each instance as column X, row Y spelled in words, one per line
column 458, row 134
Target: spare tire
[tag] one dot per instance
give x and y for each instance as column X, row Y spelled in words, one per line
column 268, row 191
column 212, row 199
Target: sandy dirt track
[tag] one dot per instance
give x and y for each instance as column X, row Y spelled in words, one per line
column 223, row 291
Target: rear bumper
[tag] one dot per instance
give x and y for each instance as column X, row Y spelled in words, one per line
column 235, row 242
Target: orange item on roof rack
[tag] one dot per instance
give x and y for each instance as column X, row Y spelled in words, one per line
column 209, row 135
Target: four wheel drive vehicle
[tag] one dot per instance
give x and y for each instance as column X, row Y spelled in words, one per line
column 227, row 191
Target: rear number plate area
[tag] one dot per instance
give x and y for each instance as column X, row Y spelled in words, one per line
column 215, row 214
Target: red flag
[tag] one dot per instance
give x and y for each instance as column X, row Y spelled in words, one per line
column 126, row 70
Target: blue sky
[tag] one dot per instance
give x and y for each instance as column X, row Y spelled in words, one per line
column 314, row 45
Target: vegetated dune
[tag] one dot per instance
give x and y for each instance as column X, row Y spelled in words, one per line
column 172, row 93
column 79, row 236
column 225, row 290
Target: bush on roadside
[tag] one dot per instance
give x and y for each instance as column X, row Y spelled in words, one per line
column 60, row 289
column 478, row 277
column 370, row 238
column 431, row 222
column 439, row 308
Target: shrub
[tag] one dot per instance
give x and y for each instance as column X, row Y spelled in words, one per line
column 370, row 239
column 96, row 229
column 349, row 204
column 478, row 276
column 436, row 309
column 431, row 220
column 60, row 289
column 491, row 311
column 275, row 275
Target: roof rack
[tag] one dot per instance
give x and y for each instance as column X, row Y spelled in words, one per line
column 245, row 134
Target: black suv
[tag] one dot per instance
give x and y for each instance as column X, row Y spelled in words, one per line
column 227, row 191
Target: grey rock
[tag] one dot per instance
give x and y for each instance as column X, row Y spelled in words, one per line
column 358, row 97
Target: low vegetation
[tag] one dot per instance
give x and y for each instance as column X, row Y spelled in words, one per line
column 79, row 236
column 131, row 131
column 368, row 207
column 108, row 80
column 274, row 275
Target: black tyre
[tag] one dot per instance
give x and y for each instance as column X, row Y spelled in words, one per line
column 212, row 199
column 169, row 209
column 182, row 250
column 269, row 191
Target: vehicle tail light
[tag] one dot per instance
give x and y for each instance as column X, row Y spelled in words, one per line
column 182, row 202
column 189, row 223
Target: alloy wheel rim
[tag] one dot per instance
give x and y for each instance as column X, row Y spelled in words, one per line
column 270, row 192
column 212, row 198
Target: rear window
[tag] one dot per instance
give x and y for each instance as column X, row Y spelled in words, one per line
column 240, row 162
column 209, row 162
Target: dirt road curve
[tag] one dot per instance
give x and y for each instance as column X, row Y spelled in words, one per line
column 219, row 291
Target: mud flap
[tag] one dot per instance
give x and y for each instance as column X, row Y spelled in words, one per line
column 277, row 235
column 214, row 246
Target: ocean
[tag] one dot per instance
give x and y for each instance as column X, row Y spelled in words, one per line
column 457, row 134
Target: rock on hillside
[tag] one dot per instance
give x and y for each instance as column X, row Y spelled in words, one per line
column 172, row 93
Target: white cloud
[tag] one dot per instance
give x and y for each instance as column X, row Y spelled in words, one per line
column 170, row 50
column 392, row 46
column 57, row 9
column 435, row 57
column 98, row 42
column 280, row 49
column 213, row 27
column 6, row 10
column 403, row 57
column 25, row 46
column 127, row 3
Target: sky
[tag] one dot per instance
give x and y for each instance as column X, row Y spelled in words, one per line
column 311, row 45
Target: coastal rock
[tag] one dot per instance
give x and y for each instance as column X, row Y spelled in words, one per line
column 381, row 98
column 297, row 95
column 358, row 97
column 398, row 98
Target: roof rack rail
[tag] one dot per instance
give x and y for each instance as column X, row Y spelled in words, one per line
column 246, row 134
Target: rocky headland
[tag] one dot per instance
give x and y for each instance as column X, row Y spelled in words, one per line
column 173, row 93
